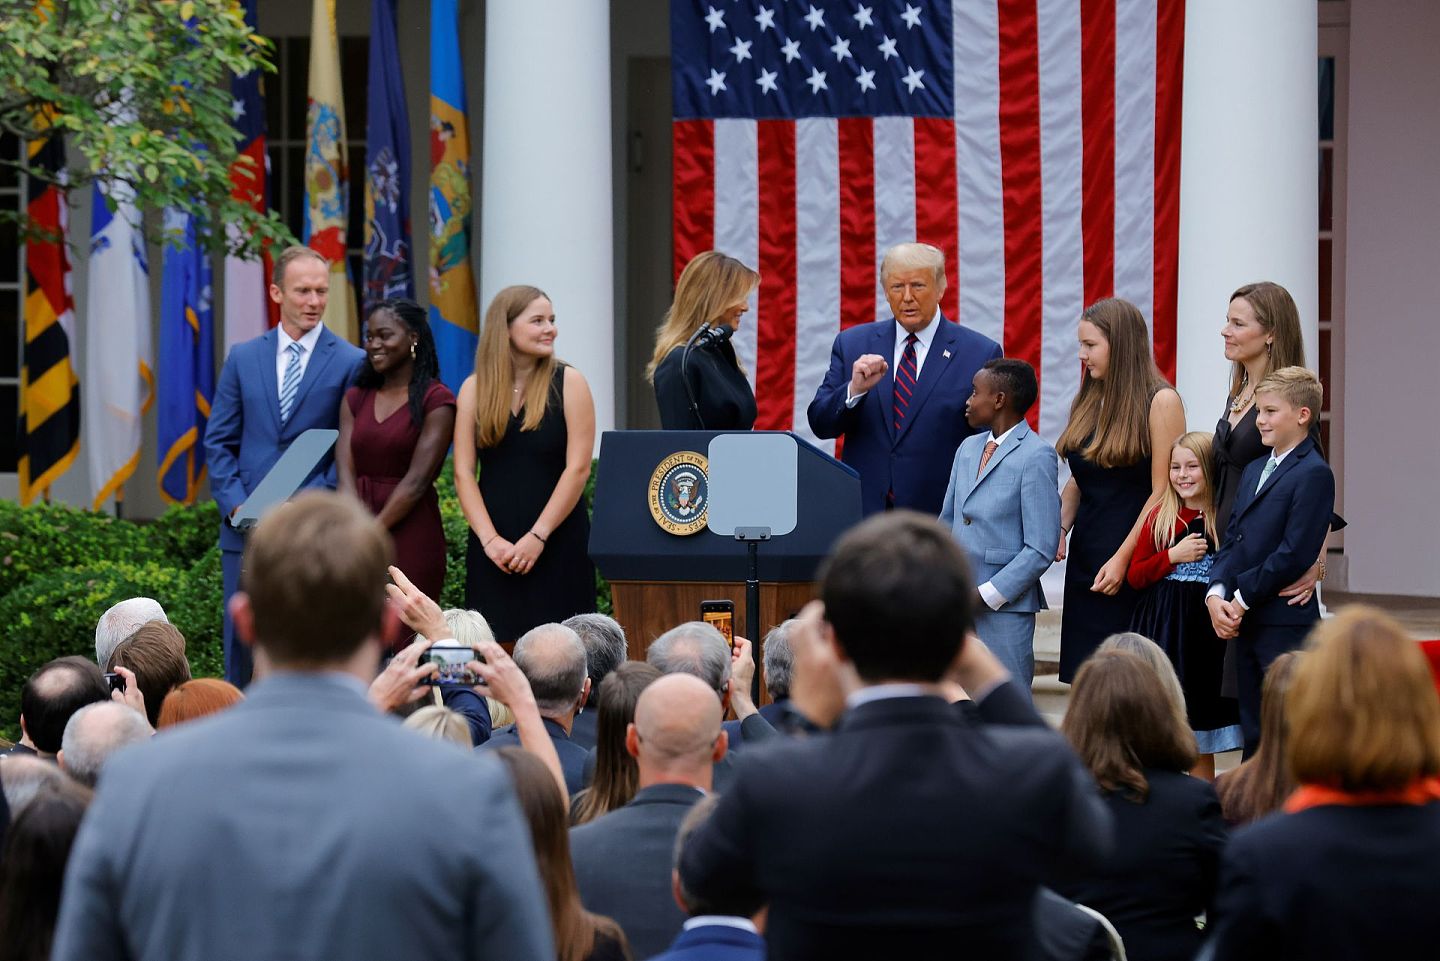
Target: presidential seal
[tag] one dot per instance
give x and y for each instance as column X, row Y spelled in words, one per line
column 680, row 493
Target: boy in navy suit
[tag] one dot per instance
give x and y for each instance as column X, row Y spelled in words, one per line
column 1276, row 531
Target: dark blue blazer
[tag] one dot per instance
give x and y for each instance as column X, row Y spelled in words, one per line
column 715, row 942
column 572, row 755
column 244, row 437
column 915, row 462
column 1274, row 536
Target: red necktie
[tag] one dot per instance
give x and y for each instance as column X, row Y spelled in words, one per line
column 905, row 381
column 990, row 448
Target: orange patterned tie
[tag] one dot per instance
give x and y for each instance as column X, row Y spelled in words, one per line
column 985, row 457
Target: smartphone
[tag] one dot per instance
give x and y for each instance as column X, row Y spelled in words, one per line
column 721, row 616
column 451, row 660
column 116, row 682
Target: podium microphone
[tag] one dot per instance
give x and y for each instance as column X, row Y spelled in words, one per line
column 700, row 334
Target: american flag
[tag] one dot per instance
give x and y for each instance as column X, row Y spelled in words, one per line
column 1035, row 142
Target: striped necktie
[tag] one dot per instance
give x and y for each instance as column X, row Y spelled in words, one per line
column 1270, row 466
column 291, row 385
column 990, row 448
column 905, row 376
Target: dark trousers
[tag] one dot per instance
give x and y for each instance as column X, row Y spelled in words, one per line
column 1255, row 650
column 238, row 663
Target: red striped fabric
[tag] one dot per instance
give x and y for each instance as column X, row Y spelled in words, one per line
column 775, row 313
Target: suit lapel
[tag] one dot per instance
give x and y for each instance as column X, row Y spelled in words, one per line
column 315, row 370
column 884, row 345
column 1013, row 441
column 1285, row 466
column 937, row 358
column 268, row 382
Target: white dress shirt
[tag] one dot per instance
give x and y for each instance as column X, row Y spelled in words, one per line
column 1218, row 590
column 721, row 920
column 994, row 599
column 923, row 338
column 282, row 353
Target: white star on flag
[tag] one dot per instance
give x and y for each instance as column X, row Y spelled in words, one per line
column 887, row 47
column 716, row 81
column 716, row 19
column 791, row 50
column 866, row 80
column 911, row 16
column 766, row 19
column 862, row 17
column 766, row 80
column 816, row 19
column 816, row 80
column 912, row 79
column 237, row 109
column 741, row 50
column 841, row 49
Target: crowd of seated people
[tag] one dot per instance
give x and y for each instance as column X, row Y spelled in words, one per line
column 897, row 797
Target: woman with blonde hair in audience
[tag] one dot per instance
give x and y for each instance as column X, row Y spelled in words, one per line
column 579, row 935
column 1348, row 871
column 198, row 698
column 1261, row 784
column 440, row 724
column 1133, row 737
column 1123, row 422
column 617, row 777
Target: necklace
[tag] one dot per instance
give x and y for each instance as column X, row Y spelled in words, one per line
column 1243, row 398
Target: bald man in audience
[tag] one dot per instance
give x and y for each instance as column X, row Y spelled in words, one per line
column 623, row 860
column 94, row 733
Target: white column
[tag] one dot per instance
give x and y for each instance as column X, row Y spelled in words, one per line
column 1248, row 178
column 546, row 191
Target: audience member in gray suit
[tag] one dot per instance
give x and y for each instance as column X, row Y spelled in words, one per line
column 623, row 860
column 302, row 824
column 553, row 660
column 605, row 650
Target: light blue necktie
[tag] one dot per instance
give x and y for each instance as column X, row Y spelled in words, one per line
column 291, row 385
column 1270, row 466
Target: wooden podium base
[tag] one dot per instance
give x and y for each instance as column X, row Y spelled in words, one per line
column 647, row 609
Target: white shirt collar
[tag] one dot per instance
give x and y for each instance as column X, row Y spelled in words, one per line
column 307, row 340
column 923, row 336
column 881, row 692
column 723, row 921
column 1001, row 439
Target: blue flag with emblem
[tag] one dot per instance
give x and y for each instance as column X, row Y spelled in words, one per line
column 389, row 269
column 187, row 360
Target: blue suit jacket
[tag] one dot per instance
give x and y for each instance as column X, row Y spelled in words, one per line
column 915, row 462
column 245, row 438
column 1007, row 519
column 1274, row 536
column 715, row 942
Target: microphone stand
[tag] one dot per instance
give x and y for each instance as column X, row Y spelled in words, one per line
column 695, row 338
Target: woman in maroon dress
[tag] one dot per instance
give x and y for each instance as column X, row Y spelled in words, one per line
column 395, row 426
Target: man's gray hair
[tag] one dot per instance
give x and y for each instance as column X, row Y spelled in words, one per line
column 97, row 731
column 23, row 777
column 605, row 647
column 693, row 648
column 552, row 658
column 120, row 621
column 779, row 659
column 914, row 257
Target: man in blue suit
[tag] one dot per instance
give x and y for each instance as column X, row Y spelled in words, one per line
column 896, row 388
column 1003, row 505
column 272, row 389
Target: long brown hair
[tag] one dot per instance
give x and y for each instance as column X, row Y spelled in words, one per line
column 494, row 376
column 617, row 777
column 1279, row 317
column 710, row 284
column 1167, row 512
column 1122, row 720
column 1364, row 712
column 1110, row 419
column 1261, row 784
column 575, row 929
column 32, row 872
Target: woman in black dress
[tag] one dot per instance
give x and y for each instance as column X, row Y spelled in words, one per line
column 531, row 421
column 704, row 388
column 1122, row 425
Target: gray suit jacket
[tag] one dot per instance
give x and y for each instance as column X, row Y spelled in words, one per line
column 623, row 860
column 301, row 824
column 1007, row 519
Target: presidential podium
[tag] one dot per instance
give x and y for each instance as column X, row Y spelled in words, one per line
column 648, row 536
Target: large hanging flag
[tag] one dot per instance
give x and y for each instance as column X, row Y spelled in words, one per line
column 389, row 267
column 1036, row 142
column 248, row 310
column 453, row 316
column 119, row 375
column 327, row 185
column 187, row 360
column 49, row 391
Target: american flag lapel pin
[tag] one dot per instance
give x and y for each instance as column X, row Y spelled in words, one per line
column 947, row 355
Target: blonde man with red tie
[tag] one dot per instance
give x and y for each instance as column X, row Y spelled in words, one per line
column 1003, row 505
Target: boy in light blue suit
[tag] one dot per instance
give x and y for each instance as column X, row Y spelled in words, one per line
column 1003, row 505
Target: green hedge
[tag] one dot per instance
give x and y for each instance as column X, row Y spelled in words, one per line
column 60, row 568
